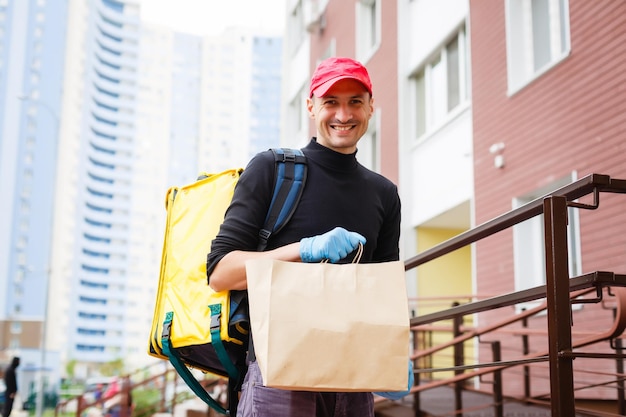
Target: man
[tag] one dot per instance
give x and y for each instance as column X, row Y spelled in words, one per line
column 343, row 204
column 10, row 380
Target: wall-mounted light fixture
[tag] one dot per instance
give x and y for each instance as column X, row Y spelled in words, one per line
column 496, row 150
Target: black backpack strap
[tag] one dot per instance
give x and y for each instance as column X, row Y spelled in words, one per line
column 290, row 177
column 233, row 395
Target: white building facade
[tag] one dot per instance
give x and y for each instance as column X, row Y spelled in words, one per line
column 142, row 108
column 171, row 105
column 32, row 46
column 91, row 285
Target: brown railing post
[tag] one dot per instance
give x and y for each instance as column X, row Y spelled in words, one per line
column 526, row 351
column 174, row 400
column 457, row 322
column 416, row 395
column 621, row 402
column 498, row 407
column 619, row 369
column 163, row 400
column 559, row 308
column 79, row 405
column 130, row 404
column 417, row 407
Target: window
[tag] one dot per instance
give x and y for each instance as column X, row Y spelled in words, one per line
column 96, row 238
column 14, row 343
column 529, row 246
column 368, row 145
column 98, row 194
column 103, row 150
column 368, row 24
column 91, row 300
column 91, row 316
column 19, row 276
column 93, row 284
column 21, row 242
column 296, row 27
column 100, row 179
column 537, row 38
column 440, row 86
column 105, row 77
column 89, row 348
column 91, row 332
column 108, row 93
column 298, row 122
column 16, row 327
column 94, row 269
column 101, row 164
column 96, row 254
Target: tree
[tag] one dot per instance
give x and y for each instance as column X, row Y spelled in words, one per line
column 69, row 368
column 112, row 368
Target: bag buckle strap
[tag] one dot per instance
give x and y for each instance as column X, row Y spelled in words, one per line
column 265, row 234
column 216, row 315
column 167, row 325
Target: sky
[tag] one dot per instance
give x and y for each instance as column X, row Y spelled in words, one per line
column 211, row 17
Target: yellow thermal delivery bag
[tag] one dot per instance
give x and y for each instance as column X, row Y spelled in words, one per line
column 194, row 326
column 188, row 308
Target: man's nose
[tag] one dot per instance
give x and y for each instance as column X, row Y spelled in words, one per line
column 344, row 113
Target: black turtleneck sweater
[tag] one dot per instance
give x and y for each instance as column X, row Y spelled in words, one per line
column 338, row 192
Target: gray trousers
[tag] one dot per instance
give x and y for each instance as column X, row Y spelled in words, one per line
column 259, row 401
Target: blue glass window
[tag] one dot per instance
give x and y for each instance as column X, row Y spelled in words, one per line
column 96, row 238
column 115, row 5
column 90, row 284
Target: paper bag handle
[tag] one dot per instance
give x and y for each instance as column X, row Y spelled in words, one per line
column 357, row 255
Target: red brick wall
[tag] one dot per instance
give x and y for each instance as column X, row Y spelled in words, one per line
column 383, row 68
column 571, row 118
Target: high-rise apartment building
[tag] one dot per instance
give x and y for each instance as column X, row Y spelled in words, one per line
column 32, row 49
column 265, row 93
column 241, row 84
column 91, row 288
column 135, row 108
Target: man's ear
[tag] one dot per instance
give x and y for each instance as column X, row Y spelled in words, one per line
column 310, row 102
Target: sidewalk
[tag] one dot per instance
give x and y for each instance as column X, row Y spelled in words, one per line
column 17, row 410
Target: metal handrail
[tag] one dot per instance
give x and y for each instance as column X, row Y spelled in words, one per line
column 595, row 280
column 591, row 184
column 557, row 292
column 139, row 378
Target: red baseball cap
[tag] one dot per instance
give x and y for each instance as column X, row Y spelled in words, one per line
column 331, row 70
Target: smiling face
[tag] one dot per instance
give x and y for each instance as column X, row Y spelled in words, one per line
column 342, row 115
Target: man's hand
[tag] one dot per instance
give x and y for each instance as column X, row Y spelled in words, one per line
column 334, row 245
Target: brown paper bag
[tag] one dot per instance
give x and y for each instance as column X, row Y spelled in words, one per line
column 329, row 327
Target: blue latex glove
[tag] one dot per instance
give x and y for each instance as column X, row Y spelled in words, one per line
column 398, row 395
column 334, row 245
